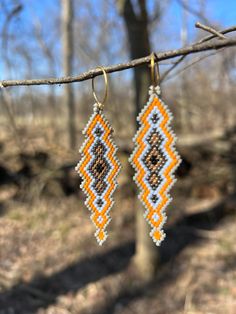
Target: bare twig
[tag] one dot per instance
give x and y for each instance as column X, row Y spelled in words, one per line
column 5, row 36
column 204, row 45
column 205, row 39
column 192, row 11
column 16, row 10
column 192, row 63
column 225, row 31
column 210, row 30
column 167, row 72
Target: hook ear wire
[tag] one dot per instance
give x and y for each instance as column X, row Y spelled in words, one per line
column 101, row 103
column 155, row 74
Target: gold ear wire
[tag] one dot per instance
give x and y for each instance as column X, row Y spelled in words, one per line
column 101, row 103
column 155, row 75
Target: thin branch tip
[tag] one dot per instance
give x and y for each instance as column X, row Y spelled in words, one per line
column 210, row 30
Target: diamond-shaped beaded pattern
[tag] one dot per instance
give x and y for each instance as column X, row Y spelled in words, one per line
column 99, row 169
column 155, row 160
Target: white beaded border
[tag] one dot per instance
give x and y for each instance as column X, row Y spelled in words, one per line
column 97, row 110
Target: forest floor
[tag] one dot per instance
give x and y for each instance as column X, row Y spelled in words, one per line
column 49, row 259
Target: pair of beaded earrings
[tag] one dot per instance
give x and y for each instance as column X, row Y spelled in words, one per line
column 154, row 159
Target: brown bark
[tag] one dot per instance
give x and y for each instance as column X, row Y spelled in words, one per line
column 67, row 43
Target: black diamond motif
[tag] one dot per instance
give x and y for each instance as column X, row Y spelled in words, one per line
column 98, row 131
column 154, row 118
column 154, row 198
column 99, row 168
column 100, row 202
column 154, row 159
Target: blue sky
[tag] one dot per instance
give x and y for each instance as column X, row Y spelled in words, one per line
column 218, row 12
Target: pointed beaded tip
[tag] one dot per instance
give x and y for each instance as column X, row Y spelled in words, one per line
column 98, row 169
column 155, row 160
column 101, row 236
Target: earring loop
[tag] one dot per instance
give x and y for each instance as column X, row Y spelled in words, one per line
column 155, row 75
column 101, row 103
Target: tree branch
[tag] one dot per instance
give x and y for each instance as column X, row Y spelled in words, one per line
column 204, row 45
column 225, row 31
column 210, row 30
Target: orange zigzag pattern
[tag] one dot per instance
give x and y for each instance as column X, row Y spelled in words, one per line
column 155, row 212
column 100, row 217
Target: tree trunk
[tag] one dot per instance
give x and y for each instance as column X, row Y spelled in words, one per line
column 147, row 256
column 67, row 43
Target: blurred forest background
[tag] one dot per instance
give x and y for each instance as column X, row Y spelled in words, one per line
column 49, row 259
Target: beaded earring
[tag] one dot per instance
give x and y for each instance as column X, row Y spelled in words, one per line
column 99, row 166
column 154, row 157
